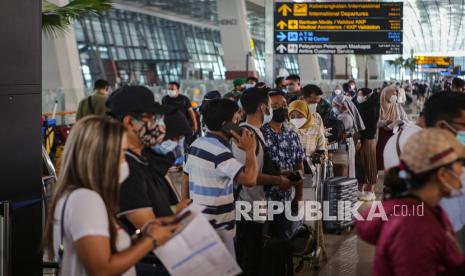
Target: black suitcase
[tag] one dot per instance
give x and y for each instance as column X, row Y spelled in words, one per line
column 335, row 190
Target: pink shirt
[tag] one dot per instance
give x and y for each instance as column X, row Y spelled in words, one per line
column 416, row 244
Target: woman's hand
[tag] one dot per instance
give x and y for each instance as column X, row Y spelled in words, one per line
column 161, row 233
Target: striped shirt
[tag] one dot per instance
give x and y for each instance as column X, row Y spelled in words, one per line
column 212, row 170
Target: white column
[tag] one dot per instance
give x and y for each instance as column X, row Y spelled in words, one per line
column 309, row 68
column 61, row 70
column 235, row 37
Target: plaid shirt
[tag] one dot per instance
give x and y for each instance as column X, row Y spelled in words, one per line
column 286, row 150
column 312, row 138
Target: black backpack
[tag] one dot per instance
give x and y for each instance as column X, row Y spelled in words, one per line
column 336, row 128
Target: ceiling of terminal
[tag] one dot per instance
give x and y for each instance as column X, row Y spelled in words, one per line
column 430, row 26
column 434, row 26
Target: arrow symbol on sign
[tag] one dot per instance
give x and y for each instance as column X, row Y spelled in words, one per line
column 281, row 36
column 284, row 9
column 281, row 48
column 281, row 24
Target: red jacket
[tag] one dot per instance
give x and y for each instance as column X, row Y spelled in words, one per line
column 416, row 244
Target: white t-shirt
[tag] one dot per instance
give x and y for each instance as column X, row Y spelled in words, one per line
column 85, row 215
column 256, row 193
column 391, row 159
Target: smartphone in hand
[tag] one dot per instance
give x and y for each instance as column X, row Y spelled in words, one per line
column 296, row 176
column 228, row 127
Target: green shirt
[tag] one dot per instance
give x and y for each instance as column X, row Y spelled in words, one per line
column 97, row 101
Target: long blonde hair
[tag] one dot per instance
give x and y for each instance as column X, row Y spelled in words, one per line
column 90, row 160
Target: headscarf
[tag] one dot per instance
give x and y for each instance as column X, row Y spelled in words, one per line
column 338, row 87
column 389, row 111
column 359, row 125
column 302, row 107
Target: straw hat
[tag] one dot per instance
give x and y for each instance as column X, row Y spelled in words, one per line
column 430, row 149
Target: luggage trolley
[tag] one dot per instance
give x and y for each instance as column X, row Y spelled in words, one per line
column 314, row 250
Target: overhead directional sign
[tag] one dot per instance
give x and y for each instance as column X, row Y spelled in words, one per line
column 338, row 28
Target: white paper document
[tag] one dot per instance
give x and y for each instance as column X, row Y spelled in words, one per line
column 197, row 250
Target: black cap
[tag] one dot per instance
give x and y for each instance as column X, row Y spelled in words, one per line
column 135, row 99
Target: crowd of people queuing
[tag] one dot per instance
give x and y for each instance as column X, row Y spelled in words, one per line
column 114, row 202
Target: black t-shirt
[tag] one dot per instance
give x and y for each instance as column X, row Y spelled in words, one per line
column 181, row 102
column 144, row 188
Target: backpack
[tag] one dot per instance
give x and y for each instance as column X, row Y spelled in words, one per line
column 336, row 129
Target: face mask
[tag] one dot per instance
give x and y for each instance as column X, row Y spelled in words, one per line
column 268, row 117
column 285, row 90
column 123, row 172
column 361, row 99
column 290, row 89
column 280, row 115
column 337, row 92
column 298, row 122
column 165, row 147
column 352, row 87
column 151, row 134
column 336, row 111
column 393, row 99
column 312, row 107
column 172, row 93
column 454, row 192
column 249, row 85
column 461, row 137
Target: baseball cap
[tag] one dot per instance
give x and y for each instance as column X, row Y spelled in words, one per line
column 135, row 99
column 237, row 82
column 431, row 149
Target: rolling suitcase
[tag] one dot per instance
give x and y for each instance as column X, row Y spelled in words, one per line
column 339, row 196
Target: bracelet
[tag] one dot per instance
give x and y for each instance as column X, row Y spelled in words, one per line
column 154, row 241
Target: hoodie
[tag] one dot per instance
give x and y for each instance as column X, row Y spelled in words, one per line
column 414, row 240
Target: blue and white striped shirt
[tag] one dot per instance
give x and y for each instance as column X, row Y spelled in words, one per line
column 212, row 170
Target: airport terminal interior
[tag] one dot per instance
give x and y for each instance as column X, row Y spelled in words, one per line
column 232, row 137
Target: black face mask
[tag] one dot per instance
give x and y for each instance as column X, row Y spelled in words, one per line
column 280, row 115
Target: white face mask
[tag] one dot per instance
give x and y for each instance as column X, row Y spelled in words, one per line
column 268, row 117
column 454, row 192
column 298, row 122
column 123, row 172
column 361, row 99
column 393, row 99
column 337, row 92
column 312, row 107
column 249, row 85
column 352, row 87
column 172, row 93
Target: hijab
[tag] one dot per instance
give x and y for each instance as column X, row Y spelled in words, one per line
column 302, row 107
column 389, row 111
column 359, row 125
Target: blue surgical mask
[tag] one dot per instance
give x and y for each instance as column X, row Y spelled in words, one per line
column 461, row 137
column 455, row 192
column 459, row 134
column 165, row 147
column 269, row 116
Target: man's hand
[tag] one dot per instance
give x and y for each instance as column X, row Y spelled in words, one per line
column 246, row 142
column 194, row 128
column 284, row 183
